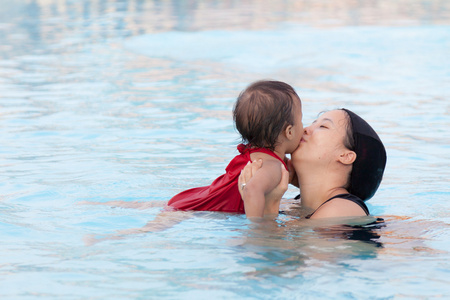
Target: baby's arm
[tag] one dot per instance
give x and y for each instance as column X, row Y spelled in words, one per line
column 263, row 189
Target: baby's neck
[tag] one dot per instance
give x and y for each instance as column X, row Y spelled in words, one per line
column 280, row 152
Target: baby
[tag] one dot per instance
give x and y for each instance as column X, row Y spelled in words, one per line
column 268, row 115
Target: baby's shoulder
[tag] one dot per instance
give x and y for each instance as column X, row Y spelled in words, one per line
column 268, row 160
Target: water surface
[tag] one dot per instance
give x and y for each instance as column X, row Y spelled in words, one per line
column 131, row 101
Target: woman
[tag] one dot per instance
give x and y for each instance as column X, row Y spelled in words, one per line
column 339, row 164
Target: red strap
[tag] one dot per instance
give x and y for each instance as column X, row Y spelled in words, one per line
column 246, row 148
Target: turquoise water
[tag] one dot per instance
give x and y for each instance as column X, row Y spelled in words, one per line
column 131, row 101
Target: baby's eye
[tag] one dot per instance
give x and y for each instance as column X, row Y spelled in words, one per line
column 323, row 126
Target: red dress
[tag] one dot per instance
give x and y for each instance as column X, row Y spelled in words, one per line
column 223, row 194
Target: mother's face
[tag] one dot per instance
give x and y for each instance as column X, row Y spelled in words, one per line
column 323, row 140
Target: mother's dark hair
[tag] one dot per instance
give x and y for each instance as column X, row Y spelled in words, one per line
column 368, row 167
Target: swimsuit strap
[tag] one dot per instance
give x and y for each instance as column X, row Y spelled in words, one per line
column 349, row 197
column 247, row 149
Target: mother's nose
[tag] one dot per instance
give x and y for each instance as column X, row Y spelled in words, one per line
column 307, row 130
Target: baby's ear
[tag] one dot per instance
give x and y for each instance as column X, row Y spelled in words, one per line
column 288, row 132
column 347, row 157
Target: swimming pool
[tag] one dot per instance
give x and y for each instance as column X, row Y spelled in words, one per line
column 131, row 101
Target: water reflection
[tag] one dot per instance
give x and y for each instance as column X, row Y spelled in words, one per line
column 366, row 233
column 289, row 249
column 286, row 249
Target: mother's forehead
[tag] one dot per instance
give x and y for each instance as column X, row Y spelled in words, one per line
column 336, row 113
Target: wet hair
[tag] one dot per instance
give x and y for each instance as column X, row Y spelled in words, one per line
column 368, row 167
column 349, row 140
column 263, row 110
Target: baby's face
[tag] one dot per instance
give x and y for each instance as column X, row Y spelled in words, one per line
column 297, row 128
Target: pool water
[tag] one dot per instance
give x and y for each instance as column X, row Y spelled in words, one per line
column 130, row 101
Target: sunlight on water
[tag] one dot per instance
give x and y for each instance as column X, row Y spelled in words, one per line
column 123, row 104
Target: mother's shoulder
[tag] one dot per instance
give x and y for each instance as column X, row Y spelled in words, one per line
column 338, row 207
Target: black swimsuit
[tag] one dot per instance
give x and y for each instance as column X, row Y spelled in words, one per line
column 349, row 197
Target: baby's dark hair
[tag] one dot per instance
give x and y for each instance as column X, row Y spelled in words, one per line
column 263, row 110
